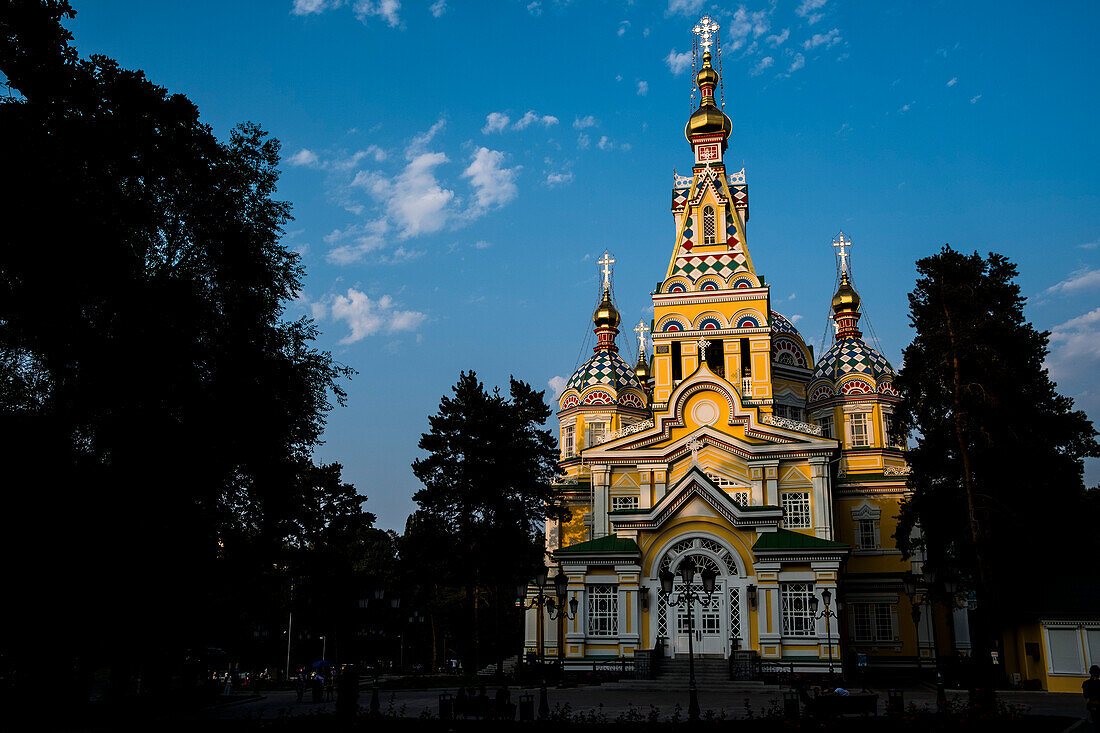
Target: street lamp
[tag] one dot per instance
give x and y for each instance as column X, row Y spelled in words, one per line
column 561, row 610
column 687, row 598
column 827, row 614
column 539, row 602
column 324, row 642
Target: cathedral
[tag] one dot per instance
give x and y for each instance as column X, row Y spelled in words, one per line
column 728, row 444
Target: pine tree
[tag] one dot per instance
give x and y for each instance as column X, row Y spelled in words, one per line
column 995, row 441
column 488, row 482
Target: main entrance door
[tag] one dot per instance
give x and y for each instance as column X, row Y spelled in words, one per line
column 707, row 622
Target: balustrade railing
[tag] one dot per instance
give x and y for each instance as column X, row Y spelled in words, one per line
column 786, row 422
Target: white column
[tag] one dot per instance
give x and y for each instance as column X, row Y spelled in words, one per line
column 823, row 498
column 961, row 619
column 601, row 480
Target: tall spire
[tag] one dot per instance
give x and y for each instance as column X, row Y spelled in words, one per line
column 708, row 124
column 846, row 301
column 606, row 317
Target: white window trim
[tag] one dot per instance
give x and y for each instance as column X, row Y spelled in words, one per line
column 787, row 524
column 611, row 591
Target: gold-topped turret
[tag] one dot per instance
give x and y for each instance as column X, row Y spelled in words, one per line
column 846, row 299
column 606, row 314
column 708, row 119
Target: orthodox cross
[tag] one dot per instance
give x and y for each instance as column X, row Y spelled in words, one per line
column 706, row 28
column 695, row 446
column 605, row 263
column 842, row 243
column 642, row 330
column 702, row 344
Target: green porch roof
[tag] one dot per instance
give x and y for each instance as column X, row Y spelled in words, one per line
column 610, row 543
column 785, row 539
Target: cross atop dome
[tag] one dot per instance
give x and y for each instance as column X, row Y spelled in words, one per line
column 706, row 29
column 605, row 264
column 642, row 330
column 842, row 243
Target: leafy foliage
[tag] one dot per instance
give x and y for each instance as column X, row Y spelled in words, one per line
column 996, row 441
column 163, row 407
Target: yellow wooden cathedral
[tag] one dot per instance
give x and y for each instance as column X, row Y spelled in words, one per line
column 730, row 445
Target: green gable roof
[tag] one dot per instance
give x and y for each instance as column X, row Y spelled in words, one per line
column 785, row 539
column 610, row 543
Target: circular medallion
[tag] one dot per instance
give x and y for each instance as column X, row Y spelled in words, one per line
column 705, row 412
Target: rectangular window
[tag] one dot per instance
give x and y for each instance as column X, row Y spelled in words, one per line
column 796, row 509
column 716, row 357
column 866, row 534
column 781, row 411
column 624, row 502
column 746, row 360
column 677, row 363
column 594, row 434
column 603, row 610
column 826, row 423
column 568, row 441
column 888, row 429
column 710, row 226
column 1066, row 655
column 872, row 622
column 857, row 430
column 795, row 604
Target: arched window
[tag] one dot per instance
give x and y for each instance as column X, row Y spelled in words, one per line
column 710, row 226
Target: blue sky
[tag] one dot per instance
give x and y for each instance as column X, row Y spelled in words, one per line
column 456, row 168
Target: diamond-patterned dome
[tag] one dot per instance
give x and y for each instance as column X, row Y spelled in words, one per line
column 606, row 368
column 780, row 324
column 852, row 355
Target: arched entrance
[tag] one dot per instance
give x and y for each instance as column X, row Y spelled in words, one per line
column 719, row 627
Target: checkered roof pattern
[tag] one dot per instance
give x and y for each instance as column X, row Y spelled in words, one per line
column 852, row 355
column 723, row 265
column 606, row 368
column 781, row 325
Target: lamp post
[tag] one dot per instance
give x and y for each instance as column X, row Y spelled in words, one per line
column 539, row 602
column 687, row 598
column 561, row 609
column 827, row 614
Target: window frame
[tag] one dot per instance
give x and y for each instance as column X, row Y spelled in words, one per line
column 863, row 419
column 596, row 594
column 794, row 605
column 789, row 518
column 712, row 237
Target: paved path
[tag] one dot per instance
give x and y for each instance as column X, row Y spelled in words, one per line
column 614, row 700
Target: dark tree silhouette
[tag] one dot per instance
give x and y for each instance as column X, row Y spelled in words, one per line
column 161, row 407
column 488, row 485
column 995, row 441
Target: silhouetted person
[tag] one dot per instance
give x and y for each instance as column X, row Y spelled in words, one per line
column 1091, row 690
column 300, row 688
column 318, row 688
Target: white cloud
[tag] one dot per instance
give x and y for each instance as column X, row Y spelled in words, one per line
column 828, row 40
column 414, row 200
column 974, row 100
column 535, row 8
column 745, row 23
column 1075, row 347
column 366, row 317
column 807, row 8
column 304, row 157
column 798, row 63
column 684, row 7
column 678, row 63
column 438, row 8
column 582, row 141
column 385, row 9
column 1083, row 279
column 482, row 244
column 1089, row 245
column 557, row 385
column 356, row 241
column 906, row 107
column 765, row 63
column 495, row 122
column 494, row 185
column 308, row 7
column 953, row 81
column 780, row 38
column 587, row 121
column 643, row 88
column 559, row 179
column 795, row 318
column 531, row 117
column 624, row 26
column 605, row 143
column 420, row 142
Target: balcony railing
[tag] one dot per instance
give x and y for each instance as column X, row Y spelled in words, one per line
column 786, row 422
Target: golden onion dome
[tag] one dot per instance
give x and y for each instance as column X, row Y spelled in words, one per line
column 708, row 119
column 641, row 369
column 846, row 298
column 606, row 314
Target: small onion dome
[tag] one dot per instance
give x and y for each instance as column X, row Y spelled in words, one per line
column 606, row 314
column 641, row 369
column 606, row 369
column 846, row 299
column 708, row 119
